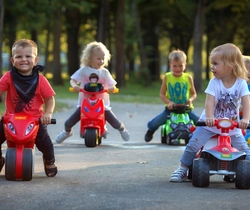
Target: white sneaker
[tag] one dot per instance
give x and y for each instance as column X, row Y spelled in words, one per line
column 178, row 176
column 62, row 136
column 125, row 134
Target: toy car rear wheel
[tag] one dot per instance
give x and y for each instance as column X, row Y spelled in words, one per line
column 242, row 180
column 27, row 167
column 200, row 172
column 164, row 136
column 91, row 137
column 99, row 140
column 190, row 172
column 10, row 164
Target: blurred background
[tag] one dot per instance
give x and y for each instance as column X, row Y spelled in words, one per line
column 139, row 34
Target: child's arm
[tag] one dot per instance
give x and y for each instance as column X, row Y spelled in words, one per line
column 209, row 110
column 163, row 91
column 49, row 109
column 193, row 94
column 245, row 101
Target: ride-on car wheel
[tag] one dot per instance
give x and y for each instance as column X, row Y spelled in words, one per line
column 91, row 137
column 10, row 164
column 242, row 180
column 190, row 172
column 99, row 140
column 27, row 169
column 163, row 135
column 200, row 172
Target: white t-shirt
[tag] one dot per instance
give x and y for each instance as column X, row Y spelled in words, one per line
column 227, row 101
column 86, row 75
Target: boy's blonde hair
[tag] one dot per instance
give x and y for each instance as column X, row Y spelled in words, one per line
column 89, row 50
column 24, row 43
column 177, row 55
column 231, row 55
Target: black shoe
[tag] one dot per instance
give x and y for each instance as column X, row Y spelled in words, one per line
column 148, row 136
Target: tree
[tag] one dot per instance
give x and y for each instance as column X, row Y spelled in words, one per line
column 119, row 44
column 73, row 18
column 1, row 33
column 198, row 34
column 103, row 21
column 57, row 80
column 143, row 68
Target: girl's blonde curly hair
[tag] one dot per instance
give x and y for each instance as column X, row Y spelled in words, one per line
column 89, row 50
column 231, row 55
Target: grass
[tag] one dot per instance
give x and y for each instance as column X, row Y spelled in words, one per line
column 132, row 93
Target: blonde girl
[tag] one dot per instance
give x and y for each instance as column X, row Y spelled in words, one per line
column 224, row 94
column 94, row 58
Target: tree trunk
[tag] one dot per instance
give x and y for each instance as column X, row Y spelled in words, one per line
column 103, row 22
column 1, row 34
column 143, row 72
column 73, row 19
column 119, row 44
column 46, row 53
column 198, row 32
column 57, row 73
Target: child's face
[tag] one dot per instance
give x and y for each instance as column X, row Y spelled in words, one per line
column 177, row 67
column 218, row 67
column 97, row 59
column 24, row 59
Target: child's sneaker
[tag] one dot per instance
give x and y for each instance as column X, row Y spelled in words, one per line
column 125, row 134
column 148, row 136
column 178, row 175
column 62, row 136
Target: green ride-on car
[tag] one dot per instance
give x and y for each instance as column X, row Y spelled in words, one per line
column 179, row 127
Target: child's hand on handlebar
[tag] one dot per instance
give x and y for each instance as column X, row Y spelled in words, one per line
column 188, row 102
column 170, row 105
column 46, row 118
column 76, row 89
column 209, row 122
column 243, row 123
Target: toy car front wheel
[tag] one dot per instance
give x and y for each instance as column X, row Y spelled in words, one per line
column 91, row 137
column 200, row 172
column 10, row 164
column 27, row 164
column 27, row 167
column 242, row 180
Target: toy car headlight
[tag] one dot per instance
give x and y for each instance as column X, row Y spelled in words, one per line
column 86, row 109
column 225, row 123
column 98, row 109
column 11, row 127
column 29, row 128
column 173, row 126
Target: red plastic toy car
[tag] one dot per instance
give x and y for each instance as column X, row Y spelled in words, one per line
column 20, row 131
column 92, row 120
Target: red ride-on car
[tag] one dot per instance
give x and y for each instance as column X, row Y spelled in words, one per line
column 92, row 120
column 20, row 132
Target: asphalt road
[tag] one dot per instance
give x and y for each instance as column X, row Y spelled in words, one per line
column 118, row 175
